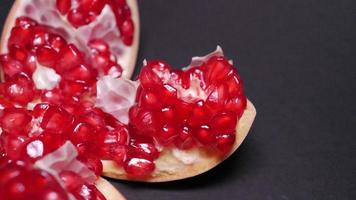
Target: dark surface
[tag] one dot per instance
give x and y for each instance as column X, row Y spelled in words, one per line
column 298, row 62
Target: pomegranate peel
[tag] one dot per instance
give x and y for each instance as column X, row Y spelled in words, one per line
column 169, row 168
column 108, row 190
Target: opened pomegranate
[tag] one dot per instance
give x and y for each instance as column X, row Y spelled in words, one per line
column 180, row 120
column 58, row 175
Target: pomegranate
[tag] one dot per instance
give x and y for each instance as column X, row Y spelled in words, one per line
column 58, row 175
column 181, row 122
column 166, row 125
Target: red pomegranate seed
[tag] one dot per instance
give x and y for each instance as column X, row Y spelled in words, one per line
column 168, row 134
column 78, row 17
column 94, row 6
column 80, row 73
column 40, row 37
column 217, row 69
column 83, row 133
column 25, row 22
column 225, row 142
column 94, row 117
column 139, row 167
column 15, row 121
column 145, row 121
column 127, row 30
column 56, row 120
column 143, row 150
column 224, row 122
column 12, row 144
column 10, row 66
column 20, row 36
column 4, row 103
column 46, row 56
column 40, row 109
column 204, row 135
column 20, row 89
column 69, row 57
column 99, row 46
column 72, row 89
column 185, row 139
column 56, row 42
column 63, row 6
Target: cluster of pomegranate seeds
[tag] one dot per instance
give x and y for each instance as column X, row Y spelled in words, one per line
column 86, row 11
column 32, row 134
column 40, row 64
column 20, row 180
column 195, row 107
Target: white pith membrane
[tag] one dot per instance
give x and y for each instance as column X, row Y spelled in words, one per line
column 64, row 159
column 116, row 96
column 104, row 27
column 171, row 160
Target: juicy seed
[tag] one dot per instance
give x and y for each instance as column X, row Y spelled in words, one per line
column 15, row 120
column 63, row 6
column 139, row 167
column 46, row 56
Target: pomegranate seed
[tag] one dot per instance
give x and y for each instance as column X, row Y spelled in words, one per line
column 4, row 103
column 20, row 89
column 185, row 138
column 218, row 69
column 56, row 42
column 10, row 66
column 139, row 167
column 63, row 6
column 69, row 57
column 78, row 18
column 80, row 73
column 46, row 56
column 143, row 150
column 225, row 142
column 56, row 120
column 83, row 133
column 40, row 37
column 20, row 36
column 205, row 135
column 15, row 121
column 40, row 109
column 127, row 30
column 99, row 45
column 94, row 6
column 224, row 122
column 12, row 144
column 168, row 134
column 25, row 22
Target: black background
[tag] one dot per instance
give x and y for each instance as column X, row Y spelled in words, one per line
column 298, row 61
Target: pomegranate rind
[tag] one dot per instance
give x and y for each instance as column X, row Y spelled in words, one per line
column 170, row 168
column 108, row 190
column 128, row 63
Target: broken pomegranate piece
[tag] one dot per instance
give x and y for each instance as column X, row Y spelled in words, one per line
column 176, row 111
